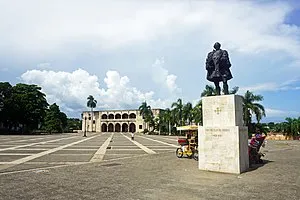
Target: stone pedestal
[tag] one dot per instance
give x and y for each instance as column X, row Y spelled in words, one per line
column 223, row 140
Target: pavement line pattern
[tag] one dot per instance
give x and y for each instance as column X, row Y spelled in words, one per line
column 173, row 145
column 28, row 158
column 32, row 144
column 80, row 149
column 126, row 149
column 66, row 164
column 147, row 150
column 164, row 138
column 23, row 140
column 37, row 149
column 15, row 154
column 98, row 156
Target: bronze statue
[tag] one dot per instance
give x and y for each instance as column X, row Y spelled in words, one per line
column 217, row 66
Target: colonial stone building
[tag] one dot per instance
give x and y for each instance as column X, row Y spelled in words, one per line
column 115, row 121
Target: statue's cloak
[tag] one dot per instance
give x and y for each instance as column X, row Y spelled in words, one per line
column 218, row 66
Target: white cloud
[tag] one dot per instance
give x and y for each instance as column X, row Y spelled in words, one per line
column 241, row 25
column 171, row 82
column 161, row 76
column 280, row 113
column 70, row 90
column 272, row 86
column 70, row 33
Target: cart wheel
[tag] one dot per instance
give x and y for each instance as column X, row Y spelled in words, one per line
column 179, row 153
column 196, row 155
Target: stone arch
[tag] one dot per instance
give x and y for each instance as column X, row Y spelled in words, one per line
column 124, row 127
column 132, row 127
column 125, row 116
column 110, row 127
column 132, row 116
column 118, row 116
column 104, row 128
column 117, row 127
column 111, row 116
column 104, row 116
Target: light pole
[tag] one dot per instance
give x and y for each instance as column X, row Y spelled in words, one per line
column 84, row 133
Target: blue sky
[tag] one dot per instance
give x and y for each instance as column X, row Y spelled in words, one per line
column 125, row 52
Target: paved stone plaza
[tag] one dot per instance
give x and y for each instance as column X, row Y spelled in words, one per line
column 111, row 166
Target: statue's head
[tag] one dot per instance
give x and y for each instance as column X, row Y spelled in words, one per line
column 217, row 45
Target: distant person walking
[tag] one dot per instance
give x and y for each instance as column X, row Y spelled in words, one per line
column 132, row 135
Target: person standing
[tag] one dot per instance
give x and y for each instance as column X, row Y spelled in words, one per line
column 132, row 135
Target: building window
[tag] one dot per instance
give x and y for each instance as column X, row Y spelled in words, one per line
column 125, row 116
column 104, row 116
column 118, row 116
column 94, row 121
column 140, row 126
column 132, row 116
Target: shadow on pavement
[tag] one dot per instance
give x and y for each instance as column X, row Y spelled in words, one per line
column 256, row 166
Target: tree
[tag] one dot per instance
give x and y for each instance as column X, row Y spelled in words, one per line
column 55, row 121
column 234, row 90
column 291, row 126
column 197, row 113
column 209, row 91
column 146, row 113
column 91, row 103
column 187, row 113
column 5, row 95
column 177, row 110
column 168, row 119
column 73, row 124
column 250, row 107
column 28, row 106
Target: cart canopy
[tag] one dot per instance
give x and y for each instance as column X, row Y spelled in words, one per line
column 187, row 128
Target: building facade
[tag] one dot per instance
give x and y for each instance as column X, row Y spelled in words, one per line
column 115, row 121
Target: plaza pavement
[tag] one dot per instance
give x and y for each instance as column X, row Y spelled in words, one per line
column 111, row 166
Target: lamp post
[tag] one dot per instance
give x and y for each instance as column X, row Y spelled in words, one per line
column 84, row 133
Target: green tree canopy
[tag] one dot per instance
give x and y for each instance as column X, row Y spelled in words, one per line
column 250, row 107
column 91, row 103
column 28, row 105
column 55, row 120
column 178, row 111
column 146, row 112
column 5, row 95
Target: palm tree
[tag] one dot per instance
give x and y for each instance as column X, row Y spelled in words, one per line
column 91, row 103
column 165, row 119
column 146, row 112
column 177, row 109
column 234, row 90
column 250, row 106
column 187, row 114
column 292, row 126
column 197, row 113
column 209, row 91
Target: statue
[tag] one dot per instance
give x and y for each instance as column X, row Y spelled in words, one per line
column 217, row 66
